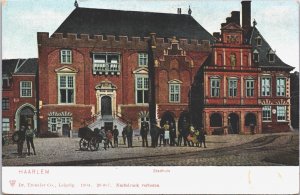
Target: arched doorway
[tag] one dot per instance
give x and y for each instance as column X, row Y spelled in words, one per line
column 216, row 120
column 250, row 118
column 106, row 107
column 26, row 117
column 183, row 118
column 167, row 116
column 233, row 123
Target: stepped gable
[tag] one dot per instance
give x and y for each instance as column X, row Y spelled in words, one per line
column 132, row 24
column 20, row 66
column 264, row 50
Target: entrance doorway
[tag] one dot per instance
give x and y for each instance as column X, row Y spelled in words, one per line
column 250, row 118
column 183, row 118
column 233, row 123
column 106, row 107
column 66, row 130
column 167, row 116
column 26, row 117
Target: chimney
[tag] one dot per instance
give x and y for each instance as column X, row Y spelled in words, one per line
column 235, row 17
column 178, row 10
column 228, row 20
column 246, row 15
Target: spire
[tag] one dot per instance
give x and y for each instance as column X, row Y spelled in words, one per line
column 190, row 11
column 76, row 4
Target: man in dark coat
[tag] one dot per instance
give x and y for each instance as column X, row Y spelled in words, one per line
column 129, row 134
column 116, row 134
column 202, row 134
column 185, row 132
column 172, row 134
column 154, row 133
column 124, row 135
column 144, row 132
column 21, row 140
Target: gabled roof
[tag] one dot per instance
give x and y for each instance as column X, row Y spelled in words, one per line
column 264, row 50
column 132, row 24
column 19, row 66
column 232, row 26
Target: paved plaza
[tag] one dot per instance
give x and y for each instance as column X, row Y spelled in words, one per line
column 230, row 150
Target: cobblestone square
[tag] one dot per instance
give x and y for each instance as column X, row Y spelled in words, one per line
column 230, row 150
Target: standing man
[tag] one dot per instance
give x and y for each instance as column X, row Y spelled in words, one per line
column 185, row 132
column 154, row 132
column 144, row 132
column 29, row 139
column 116, row 134
column 202, row 134
column 172, row 134
column 129, row 134
column 124, row 135
column 21, row 140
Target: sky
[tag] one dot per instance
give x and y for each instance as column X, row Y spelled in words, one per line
column 277, row 20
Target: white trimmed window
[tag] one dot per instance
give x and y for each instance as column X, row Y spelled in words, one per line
column 265, row 86
column 53, row 124
column 66, row 56
column 249, row 88
column 215, row 87
column 174, row 93
column 281, row 113
column 266, row 113
column 5, row 124
column 280, row 86
column 255, row 56
column 26, row 89
column 66, row 89
column 143, row 59
column 141, row 89
column 258, row 41
column 232, row 87
column 106, row 62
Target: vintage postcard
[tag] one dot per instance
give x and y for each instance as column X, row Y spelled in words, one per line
column 150, row 96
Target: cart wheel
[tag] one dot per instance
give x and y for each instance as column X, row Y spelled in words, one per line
column 83, row 144
column 94, row 144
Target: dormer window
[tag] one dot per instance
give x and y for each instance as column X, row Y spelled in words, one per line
column 258, row 41
column 255, row 56
column 271, row 56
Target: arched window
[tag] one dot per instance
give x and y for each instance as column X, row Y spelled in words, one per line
column 216, row 120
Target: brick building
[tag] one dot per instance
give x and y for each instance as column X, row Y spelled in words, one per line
column 19, row 93
column 95, row 67
column 243, row 82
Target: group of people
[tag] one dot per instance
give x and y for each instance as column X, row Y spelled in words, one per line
column 25, row 134
column 165, row 135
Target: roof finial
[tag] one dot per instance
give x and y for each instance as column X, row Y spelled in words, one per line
column 76, row 4
column 190, row 11
column 254, row 23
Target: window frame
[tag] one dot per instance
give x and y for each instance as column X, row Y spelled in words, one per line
column 215, row 88
column 66, row 88
column 174, row 93
column 25, row 88
column 233, row 88
column 142, row 57
column 66, row 56
column 107, row 66
column 6, row 127
column 143, row 89
column 5, row 103
column 280, row 111
column 280, row 87
column 250, row 88
column 269, row 87
column 267, row 109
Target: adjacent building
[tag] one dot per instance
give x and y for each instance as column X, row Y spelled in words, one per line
column 19, row 92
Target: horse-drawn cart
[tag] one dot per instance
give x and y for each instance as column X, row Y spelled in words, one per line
column 90, row 139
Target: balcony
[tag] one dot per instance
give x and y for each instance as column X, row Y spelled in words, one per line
column 106, row 68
